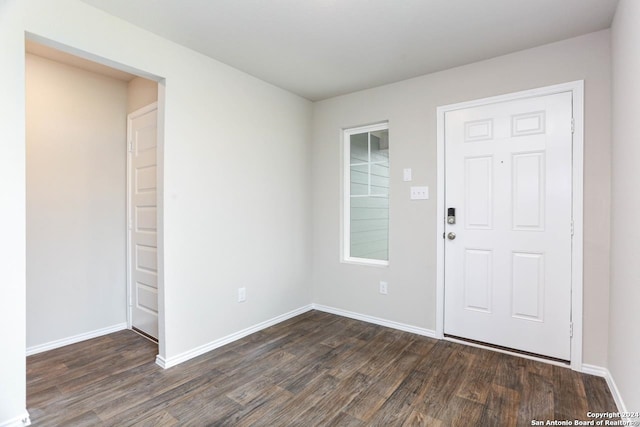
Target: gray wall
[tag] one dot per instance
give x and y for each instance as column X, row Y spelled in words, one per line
column 410, row 107
column 76, row 195
column 624, row 326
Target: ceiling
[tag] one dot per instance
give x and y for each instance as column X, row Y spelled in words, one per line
column 323, row 48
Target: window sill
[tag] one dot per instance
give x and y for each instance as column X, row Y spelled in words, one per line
column 365, row 262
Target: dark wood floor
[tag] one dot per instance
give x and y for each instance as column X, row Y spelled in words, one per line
column 315, row 369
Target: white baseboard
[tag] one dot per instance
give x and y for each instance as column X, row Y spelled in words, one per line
column 183, row 357
column 74, row 339
column 376, row 320
column 19, row 421
column 604, row 372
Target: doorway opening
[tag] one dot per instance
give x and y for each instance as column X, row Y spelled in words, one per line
column 77, row 217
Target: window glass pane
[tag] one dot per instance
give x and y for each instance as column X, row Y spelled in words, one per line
column 380, row 146
column 380, row 179
column 359, row 180
column 359, row 148
column 369, row 227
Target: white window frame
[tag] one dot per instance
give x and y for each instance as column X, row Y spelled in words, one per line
column 346, row 193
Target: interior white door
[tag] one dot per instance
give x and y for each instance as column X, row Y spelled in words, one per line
column 508, row 267
column 143, row 253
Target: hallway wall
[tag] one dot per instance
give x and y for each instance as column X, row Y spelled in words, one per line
column 76, row 198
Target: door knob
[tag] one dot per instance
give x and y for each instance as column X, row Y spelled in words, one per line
column 451, row 236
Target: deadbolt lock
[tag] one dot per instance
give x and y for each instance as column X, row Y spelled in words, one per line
column 451, row 216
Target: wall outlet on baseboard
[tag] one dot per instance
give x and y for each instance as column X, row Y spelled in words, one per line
column 242, row 294
column 383, row 288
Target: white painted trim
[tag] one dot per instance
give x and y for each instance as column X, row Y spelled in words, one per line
column 183, row 357
column 440, row 222
column 19, row 421
column 160, row 219
column 577, row 90
column 598, row 371
column 376, row 320
column 604, row 372
column 74, row 339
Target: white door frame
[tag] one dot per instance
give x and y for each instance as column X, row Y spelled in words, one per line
column 577, row 89
column 130, row 117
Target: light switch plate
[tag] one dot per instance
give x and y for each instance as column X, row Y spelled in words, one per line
column 419, row 193
column 406, row 174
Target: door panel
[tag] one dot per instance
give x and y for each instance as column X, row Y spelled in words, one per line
column 508, row 270
column 478, row 265
column 143, row 253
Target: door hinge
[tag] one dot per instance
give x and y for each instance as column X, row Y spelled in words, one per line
column 130, row 148
column 571, row 228
column 573, row 125
column 570, row 329
column 130, row 223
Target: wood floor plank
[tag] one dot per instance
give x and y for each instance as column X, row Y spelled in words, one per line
column 421, row 345
column 316, row 369
column 390, row 353
column 390, row 378
column 598, row 396
column 158, row 419
column 155, row 404
column 537, row 400
column 417, row 419
column 462, row 412
column 288, row 413
column 343, row 419
column 259, row 408
column 570, row 398
column 205, row 408
column 345, row 391
column 399, row 405
column 88, row 419
column 501, row 408
column 446, row 381
column 476, row 384
column 365, row 405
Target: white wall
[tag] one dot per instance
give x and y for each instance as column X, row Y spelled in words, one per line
column 142, row 92
column 76, row 201
column 624, row 326
column 12, row 206
column 236, row 183
column 410, row 107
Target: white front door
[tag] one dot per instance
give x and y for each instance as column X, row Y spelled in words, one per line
column 143, row 253
column 508, row 267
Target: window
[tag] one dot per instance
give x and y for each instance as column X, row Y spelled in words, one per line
column 366, row 194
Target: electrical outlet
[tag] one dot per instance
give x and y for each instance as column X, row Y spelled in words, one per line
column 383, row 288
column 242, row 294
